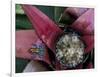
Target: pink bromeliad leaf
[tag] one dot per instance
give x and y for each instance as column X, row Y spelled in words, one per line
column 75, row 11
column 24, row 41
column 46, row 29
column 89, row 42
column 70, row 14
column 85, row 23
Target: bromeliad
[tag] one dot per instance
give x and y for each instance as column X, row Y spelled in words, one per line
column 69, row 48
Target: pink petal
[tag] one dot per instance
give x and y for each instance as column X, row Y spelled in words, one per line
column 89, row 42
column 24, row 41
column 46, row 29
column 75, row 11
column 85, row 23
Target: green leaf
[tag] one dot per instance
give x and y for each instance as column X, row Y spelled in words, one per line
column 58, row 12
column 20, row 65
column 19, row 9
column 48, row 10
column 22, row 22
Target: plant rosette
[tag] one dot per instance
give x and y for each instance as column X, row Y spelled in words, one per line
column 68, row 48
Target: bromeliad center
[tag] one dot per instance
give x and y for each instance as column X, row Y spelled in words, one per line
column 70, row 50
